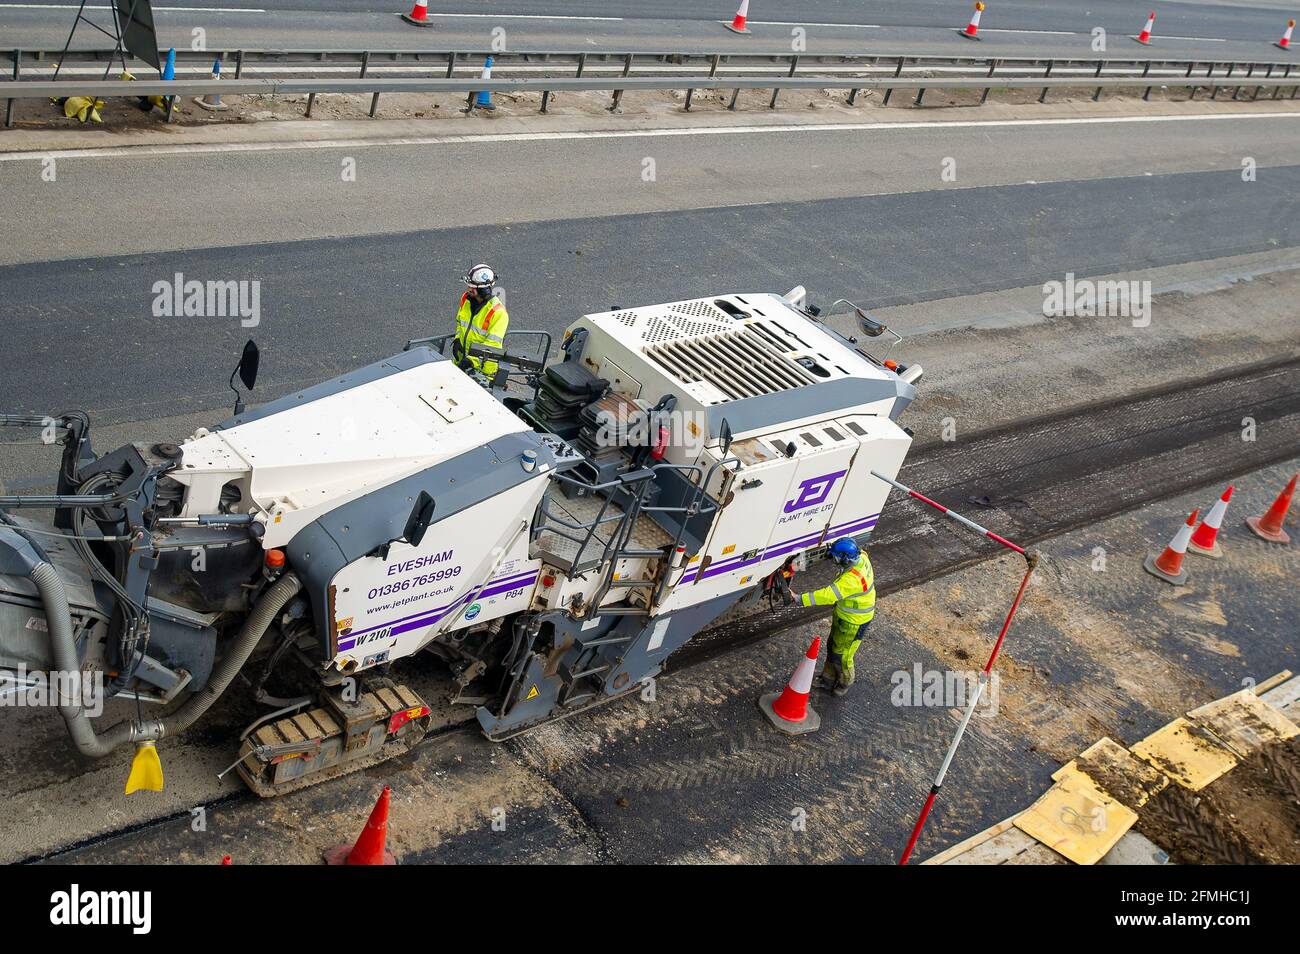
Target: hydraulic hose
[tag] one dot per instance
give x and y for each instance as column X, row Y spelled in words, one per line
column 250, row 634
column 64, row 650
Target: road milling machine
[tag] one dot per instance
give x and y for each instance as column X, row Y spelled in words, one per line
column 552, row 535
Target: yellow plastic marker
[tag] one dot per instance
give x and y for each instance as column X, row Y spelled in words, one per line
column 146, row 769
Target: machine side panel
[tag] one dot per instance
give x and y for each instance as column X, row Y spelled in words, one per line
column 350, row 533
column 469, row 568
column 884, row 446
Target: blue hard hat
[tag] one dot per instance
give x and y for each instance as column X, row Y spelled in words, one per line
column 845, row 551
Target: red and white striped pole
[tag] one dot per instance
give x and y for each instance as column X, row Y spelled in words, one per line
column 984, row 531
column 1285, row 42
column 1145, row 36
column 1032, row 561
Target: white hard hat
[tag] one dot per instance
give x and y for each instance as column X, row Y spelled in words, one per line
column 480, row 276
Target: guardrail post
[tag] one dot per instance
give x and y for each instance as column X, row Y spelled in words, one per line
column 690, row 91
column 1145, row 70
column 1097, row 95
column 239, row 64
column 311, row 101
column 993, row 65
column 920, row 95
column 374, row 104
column 1042, row 97
column 890, row 92
column 1258, row 89
column 1236, row 91
column 1277, row 90
column 451, row 63
column 618, row 93
column 735, row 95
column 582, row 64
column 9, row 103
column 713, row 67
column 365, row 65
column 776, row 91
column 546, row 99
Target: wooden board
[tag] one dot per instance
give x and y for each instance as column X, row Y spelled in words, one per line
column 1181, row 751
column 1076, row 819
column 1244, row 722
column 1117, row 772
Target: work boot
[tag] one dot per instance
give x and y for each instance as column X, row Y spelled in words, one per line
column 846, row 677
column 829, row 676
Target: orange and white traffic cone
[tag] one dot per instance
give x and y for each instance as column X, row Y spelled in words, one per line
column 1205, row 540
column 1145, row 36
column 1169, row 565
column 971, row 32
column 1285, row 42
column 370, row 847
column 1269, row 526
column 419, row 15
column 737, row 25
column 789, row 710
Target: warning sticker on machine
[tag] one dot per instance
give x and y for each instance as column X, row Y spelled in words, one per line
column 532, row 693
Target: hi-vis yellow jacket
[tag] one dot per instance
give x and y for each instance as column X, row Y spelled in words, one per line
column 486, row 327
column 853, row 594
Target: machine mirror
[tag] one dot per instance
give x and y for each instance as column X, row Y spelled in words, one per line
column 724, row 434
column 418, row 522
column 248, row 363
column 870, row 327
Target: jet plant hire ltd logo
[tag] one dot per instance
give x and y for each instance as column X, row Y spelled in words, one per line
column 813, row 491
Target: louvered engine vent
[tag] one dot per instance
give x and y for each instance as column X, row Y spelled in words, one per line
column 736, row 364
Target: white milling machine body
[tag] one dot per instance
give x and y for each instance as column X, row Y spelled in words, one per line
column 554, row 552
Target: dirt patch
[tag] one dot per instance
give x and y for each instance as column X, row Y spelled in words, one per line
column 1251, row 815
column 120, row 115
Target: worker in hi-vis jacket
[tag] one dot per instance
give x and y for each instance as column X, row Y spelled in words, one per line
column 481, row 320
column 853, row 594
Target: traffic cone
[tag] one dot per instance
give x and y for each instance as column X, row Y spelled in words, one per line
column 225, row 861
column 370, row 847
column 789, row 710
column 1205, row 540
column 1269, row 526
column 972, row 29
column 1169, row 565
column 1285, row 42
column 483, row 98
column 738, row 24
column 419, row 15
column 212, row 104
column 1145, row 36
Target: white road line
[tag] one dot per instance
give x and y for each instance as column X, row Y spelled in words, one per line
column 91, row 6
column 1039, row 32
column 105, row 152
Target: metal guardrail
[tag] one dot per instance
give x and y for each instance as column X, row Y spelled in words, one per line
column 669, row 71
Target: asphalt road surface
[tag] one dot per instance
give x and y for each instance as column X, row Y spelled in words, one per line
column 1015, row 27
column 350, row 271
